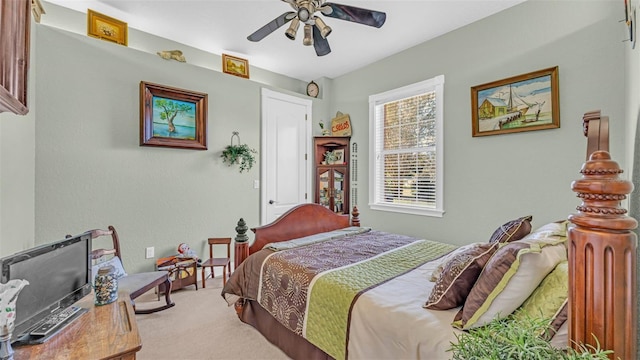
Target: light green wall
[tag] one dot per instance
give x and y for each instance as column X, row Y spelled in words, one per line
column 90, row 171
column 17, row 176
column 492, row 179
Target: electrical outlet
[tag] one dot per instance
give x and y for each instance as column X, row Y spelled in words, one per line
column 149, row 253
column 256, row 184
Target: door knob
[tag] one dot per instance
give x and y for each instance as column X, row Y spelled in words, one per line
column 271, row 202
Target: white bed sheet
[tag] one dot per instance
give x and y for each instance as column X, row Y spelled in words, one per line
column 389, row 322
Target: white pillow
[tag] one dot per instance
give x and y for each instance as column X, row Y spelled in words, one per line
column 115, row 262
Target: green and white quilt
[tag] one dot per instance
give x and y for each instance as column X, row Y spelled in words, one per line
column 311, row 288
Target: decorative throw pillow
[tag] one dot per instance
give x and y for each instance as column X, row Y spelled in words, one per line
column 509, row 277
column 459, row 275
column 548, row 299
column 444, row 259
column 512, row 230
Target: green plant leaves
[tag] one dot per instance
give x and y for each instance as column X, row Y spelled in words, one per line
column 239, row 154
column 506, row 338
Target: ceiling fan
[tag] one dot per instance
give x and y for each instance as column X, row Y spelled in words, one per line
column 315, row 30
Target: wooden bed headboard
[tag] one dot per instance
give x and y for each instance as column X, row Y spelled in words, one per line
column 602, row 251
column 292, row 224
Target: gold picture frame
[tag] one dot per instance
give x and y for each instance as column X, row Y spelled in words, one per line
column 235, row 66
column 520, row 103
column 107, row 28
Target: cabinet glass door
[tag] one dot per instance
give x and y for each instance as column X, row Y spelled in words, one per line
column 338, row 190
column 324, row 189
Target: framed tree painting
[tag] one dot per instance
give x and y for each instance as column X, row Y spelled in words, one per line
column 172, row 117
column 521, row 103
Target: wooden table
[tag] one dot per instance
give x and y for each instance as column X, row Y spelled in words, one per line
column 104, row 332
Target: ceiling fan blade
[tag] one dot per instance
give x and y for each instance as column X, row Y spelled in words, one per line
column 293, row 3
column 355, row 14
column 319, row 43
column 271, row 26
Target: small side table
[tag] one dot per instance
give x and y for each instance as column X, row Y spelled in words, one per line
column 182, row 273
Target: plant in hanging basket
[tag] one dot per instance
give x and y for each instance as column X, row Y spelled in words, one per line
column 239, row 154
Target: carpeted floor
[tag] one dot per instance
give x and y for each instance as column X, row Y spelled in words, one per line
column 199, row 327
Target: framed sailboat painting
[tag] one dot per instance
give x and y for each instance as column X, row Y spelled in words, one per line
column 520, row 103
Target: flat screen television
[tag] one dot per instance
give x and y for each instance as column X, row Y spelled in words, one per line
column 59, row 274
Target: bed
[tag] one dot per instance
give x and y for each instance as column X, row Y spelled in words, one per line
column 320, row 286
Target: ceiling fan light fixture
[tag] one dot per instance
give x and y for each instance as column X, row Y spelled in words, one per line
column 308, row 35
column 325, row 29
column 305, row 11
column 293, row 29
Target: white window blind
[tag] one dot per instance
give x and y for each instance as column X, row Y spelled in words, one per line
column 406, row 149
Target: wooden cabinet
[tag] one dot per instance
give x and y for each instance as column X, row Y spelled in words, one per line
column 15, row 16
column 331, row 161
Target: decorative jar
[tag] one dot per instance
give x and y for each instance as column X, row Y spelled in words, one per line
column 106, row 286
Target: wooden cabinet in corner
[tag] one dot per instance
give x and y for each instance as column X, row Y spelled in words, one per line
column 331, row 163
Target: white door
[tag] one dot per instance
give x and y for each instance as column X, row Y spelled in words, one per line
column 286, row 145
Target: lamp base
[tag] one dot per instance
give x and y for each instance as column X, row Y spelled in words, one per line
column 6, row 351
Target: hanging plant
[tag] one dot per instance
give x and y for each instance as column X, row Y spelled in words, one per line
column 238, row 154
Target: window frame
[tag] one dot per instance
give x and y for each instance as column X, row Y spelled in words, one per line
column 435, row 84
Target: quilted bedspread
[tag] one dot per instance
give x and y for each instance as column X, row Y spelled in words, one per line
column 312, row 287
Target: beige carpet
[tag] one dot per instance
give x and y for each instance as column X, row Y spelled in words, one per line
column 199, row 327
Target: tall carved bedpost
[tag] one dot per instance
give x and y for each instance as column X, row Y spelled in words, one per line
column 602, row 253
column 242, row 243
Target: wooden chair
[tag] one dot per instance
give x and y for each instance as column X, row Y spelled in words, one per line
column 134, row 284
column 223, row 262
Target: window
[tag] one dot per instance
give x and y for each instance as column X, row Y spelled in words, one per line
column 406, row 149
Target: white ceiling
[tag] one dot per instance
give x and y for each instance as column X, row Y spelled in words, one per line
column 222, row 26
